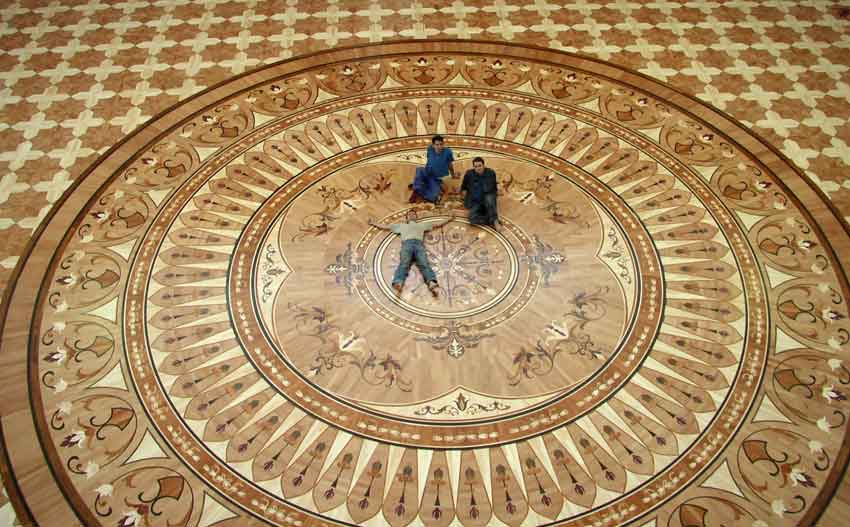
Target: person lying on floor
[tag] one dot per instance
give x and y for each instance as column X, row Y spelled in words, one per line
column 413, row 249
column 428, row 182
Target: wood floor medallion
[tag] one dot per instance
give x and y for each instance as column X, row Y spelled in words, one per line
column 205, row 333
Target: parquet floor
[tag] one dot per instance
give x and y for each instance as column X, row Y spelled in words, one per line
column 203, row 332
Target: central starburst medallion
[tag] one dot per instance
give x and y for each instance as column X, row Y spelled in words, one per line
column 476, row 268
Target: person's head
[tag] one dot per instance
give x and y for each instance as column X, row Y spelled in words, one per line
column 478, row 165
column 411, row 215
column 438, row 143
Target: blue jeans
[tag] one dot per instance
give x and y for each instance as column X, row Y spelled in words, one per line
column 413, row 250
column 426, row 185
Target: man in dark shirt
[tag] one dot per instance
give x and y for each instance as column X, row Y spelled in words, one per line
column 480, row 186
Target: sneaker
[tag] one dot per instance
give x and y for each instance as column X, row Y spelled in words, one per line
column 397, row 288
column 433, row 288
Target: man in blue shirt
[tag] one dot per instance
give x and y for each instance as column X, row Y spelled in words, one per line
column 427, row 184
column 481, row 188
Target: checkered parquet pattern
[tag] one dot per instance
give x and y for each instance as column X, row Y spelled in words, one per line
column 76, row 76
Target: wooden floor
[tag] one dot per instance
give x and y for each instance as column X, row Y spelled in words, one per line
column 204, row 332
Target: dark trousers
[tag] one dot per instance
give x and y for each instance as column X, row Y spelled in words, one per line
column 483, row 211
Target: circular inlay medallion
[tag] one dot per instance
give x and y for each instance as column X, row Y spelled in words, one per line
column 476, row 269
column 657, row 327
column 313, row 345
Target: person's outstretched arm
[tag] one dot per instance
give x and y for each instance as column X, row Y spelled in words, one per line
column 379, row 225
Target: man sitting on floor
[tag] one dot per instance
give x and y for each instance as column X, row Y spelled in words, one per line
column 481, row 188
column 412, row 249
column 427, row 184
